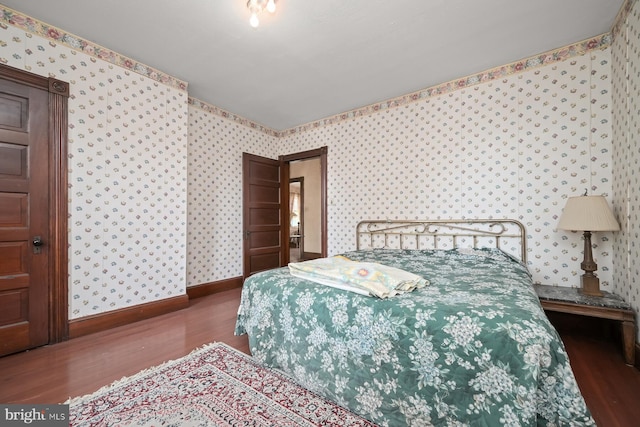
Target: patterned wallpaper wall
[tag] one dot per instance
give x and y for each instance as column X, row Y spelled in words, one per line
column 214, row 238
column 626, row 161
column 515, row 147
column 514, row 142
column 127, row 168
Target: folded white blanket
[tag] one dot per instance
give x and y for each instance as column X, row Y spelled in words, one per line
column 366, row 278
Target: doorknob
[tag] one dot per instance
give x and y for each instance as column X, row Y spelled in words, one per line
column 37, row 243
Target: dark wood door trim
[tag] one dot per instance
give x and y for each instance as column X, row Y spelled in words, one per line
column 284, row 197
column 58, row 169
column 300, row 246
column 59, row 255
column 304, row 155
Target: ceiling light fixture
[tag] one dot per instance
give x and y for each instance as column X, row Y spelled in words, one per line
column 256, row 7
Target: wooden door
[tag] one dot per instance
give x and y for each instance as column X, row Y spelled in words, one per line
column 24, row 217
column 263, row 246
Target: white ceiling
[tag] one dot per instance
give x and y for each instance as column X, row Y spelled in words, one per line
column 314, row 59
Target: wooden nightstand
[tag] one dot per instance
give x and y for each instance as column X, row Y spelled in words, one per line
column 610, row 306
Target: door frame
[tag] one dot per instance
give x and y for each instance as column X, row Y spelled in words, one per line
column 58, row 196
column 299, row 180
column 305, row 155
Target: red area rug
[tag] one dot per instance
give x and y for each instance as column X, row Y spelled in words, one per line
column 213, row 386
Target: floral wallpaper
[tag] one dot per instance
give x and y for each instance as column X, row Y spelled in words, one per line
column 514, row 147
column 155, row 197
column 626, row 148
column 216, row 144
column 127, row 170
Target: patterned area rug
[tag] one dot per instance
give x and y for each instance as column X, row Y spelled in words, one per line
column 213, row 386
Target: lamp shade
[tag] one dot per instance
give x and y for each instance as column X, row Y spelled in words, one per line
column 588, row 213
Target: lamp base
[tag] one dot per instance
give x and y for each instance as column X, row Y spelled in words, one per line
column 590, row 285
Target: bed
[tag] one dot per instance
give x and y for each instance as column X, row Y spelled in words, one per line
column 472, row 348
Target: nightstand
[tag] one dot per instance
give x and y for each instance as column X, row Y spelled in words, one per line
column 610, row 306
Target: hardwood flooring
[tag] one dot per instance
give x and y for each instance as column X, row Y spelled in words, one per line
column 80, row 366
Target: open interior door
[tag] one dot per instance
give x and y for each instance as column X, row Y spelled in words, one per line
column 263, row 246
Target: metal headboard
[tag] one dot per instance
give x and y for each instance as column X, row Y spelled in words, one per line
column 506, row 234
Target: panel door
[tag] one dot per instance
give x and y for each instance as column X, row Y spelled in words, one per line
column 24, row 224
column 262, row 214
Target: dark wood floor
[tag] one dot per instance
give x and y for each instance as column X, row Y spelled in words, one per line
column 54, row 373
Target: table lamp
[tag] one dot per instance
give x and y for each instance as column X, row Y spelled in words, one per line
column 587, row 214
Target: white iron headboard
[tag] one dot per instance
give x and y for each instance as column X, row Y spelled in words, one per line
column 506, row 234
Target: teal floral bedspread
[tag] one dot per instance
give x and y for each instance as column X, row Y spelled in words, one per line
column 473, row 348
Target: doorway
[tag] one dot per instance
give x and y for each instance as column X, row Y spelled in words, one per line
column 296, row 219
column 265, row 213
column 307, row 170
